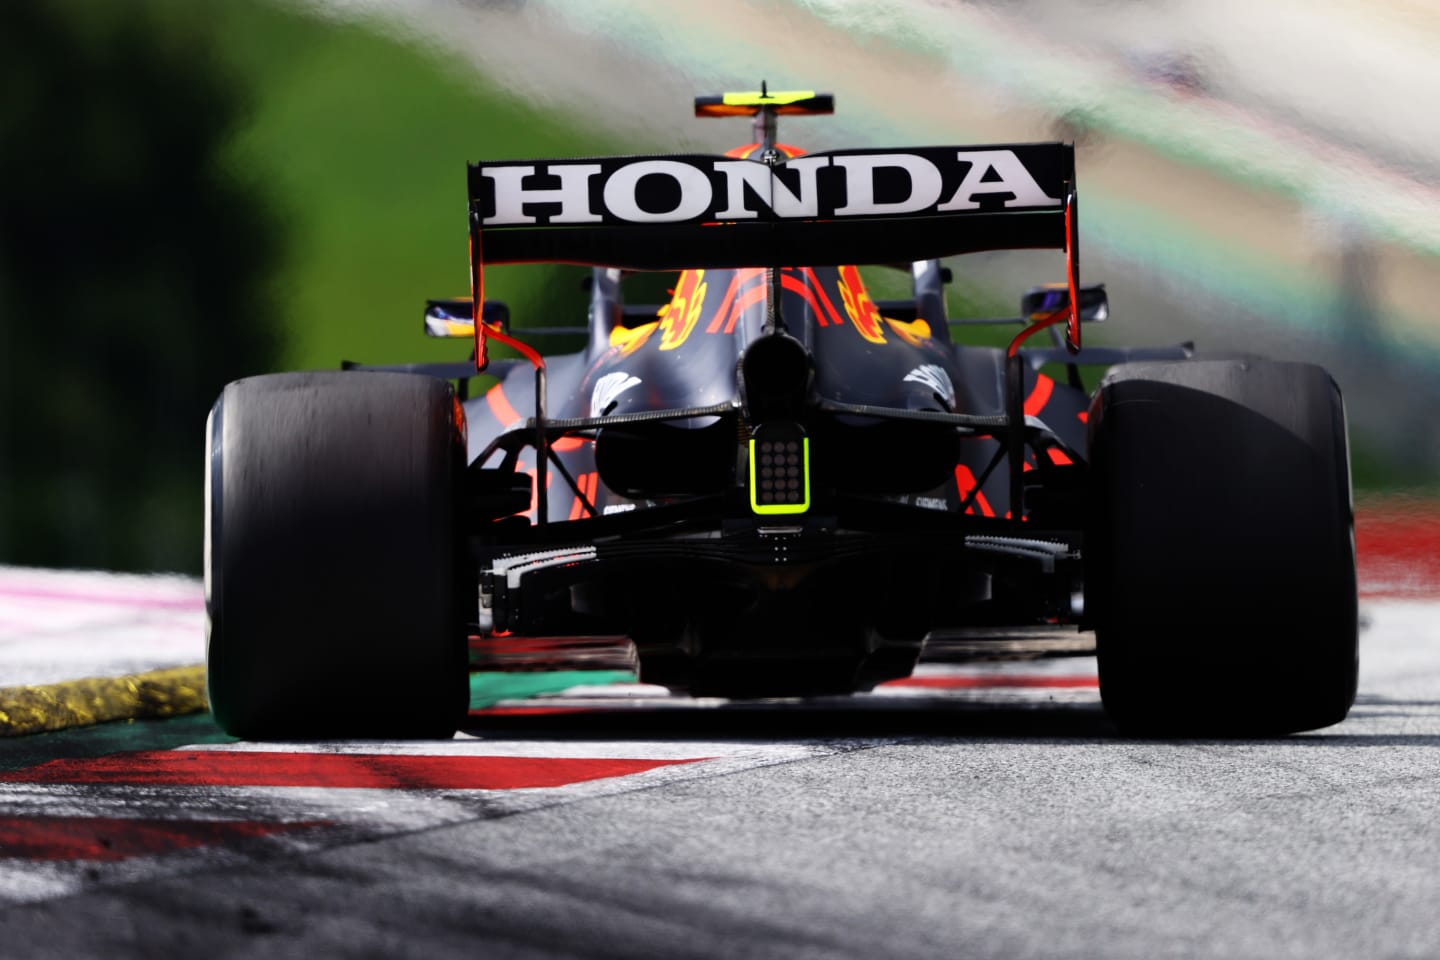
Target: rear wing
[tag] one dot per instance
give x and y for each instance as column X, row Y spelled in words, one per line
column 837, row 207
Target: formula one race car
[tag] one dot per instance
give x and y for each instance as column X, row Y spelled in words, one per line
column 774, row 485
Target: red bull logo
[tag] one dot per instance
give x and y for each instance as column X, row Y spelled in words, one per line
column 863, row 313
column 679, row 316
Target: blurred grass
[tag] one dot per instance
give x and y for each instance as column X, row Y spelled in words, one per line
column 362, row 137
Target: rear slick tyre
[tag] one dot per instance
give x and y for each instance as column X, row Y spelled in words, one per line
column 331, row 559
column 1220, row 555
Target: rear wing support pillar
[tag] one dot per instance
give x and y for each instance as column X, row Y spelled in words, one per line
column 1015, row 363
column 483, row 332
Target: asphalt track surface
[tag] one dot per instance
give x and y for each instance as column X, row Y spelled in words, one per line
column 984, row 810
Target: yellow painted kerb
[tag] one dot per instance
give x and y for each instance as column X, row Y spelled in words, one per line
column 79, row 703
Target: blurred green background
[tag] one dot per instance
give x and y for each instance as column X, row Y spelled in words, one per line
column 195, row 192
column 199, row 191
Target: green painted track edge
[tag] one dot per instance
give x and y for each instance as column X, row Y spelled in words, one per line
column 488, row 689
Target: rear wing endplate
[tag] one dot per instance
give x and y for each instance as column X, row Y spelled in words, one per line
column 837, row 207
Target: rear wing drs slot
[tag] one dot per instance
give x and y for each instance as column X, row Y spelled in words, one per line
column 837, row 207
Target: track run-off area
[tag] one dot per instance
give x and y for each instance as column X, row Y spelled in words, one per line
column 973, row 810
